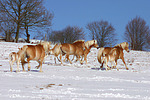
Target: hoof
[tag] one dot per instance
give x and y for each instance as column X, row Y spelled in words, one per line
column 41, row 71
column 24, row 70
column 17, row 71
column 127, row 68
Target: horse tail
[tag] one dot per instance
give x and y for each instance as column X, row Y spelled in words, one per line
column 24, row 55
column 11, row 57
column 99, row 55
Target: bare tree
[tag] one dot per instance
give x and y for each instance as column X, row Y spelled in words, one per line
column 103, row 32
column 15, row 11
column 137, row 34
column 36, row 16
column 25, row 13
column 67, row 35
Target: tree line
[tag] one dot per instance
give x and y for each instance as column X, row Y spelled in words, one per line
column 20, row 18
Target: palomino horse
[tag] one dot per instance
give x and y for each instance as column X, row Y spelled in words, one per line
column 90, row 43
column 56, row 50
column 103, row 51
column 33, row 52
column 71, row 49
column 17, row 57
column 14, row 57
column 46, row 46
column 112, row 57
column 86, row 52
column 115, row 54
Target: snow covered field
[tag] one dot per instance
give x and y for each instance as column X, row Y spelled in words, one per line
column 75, row 81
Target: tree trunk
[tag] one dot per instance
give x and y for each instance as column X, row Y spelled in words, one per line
column 28, row 35
column 17, row 33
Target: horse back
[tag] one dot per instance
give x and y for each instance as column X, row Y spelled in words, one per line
column 68, row 48
column 107, row 50
column 35, row 52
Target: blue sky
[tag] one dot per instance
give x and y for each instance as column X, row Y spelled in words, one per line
column 81, row 12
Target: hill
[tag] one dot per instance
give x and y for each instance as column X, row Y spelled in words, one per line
column 75, row 81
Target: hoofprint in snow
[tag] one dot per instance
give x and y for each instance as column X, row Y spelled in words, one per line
column 75, row 81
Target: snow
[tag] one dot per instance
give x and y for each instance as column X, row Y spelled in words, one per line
column 75, row 81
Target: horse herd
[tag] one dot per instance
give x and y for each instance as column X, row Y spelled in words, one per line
column 80, row 49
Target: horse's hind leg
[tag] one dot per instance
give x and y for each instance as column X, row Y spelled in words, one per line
column 18, row 61
column 11, row 64
column 40, row 65
column 67, row 56
column 29, row 67
column 23, row 67
column 60, row 58
column 115, row 62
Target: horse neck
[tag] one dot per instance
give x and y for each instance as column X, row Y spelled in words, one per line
column 87, row 49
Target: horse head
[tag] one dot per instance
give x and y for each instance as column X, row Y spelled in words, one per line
column 124, row 46
column 95, row 44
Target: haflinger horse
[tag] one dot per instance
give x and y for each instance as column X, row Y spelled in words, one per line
column 56, row 50
column 46, row 46
column 112, row 57
column 14, row 57
column 32, row 52
column 86, row 52
column 17, row 57
column 106, row 50
column 92, row 43
column 72, row 49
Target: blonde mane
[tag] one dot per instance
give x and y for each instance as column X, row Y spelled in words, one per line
column 78, row 41
column 124, row 46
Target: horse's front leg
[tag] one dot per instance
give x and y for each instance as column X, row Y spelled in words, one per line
column 122, row 58
column 125, row 63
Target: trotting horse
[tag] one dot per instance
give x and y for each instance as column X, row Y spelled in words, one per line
column 56, row 50
column 120, row 47
column 17, row 57
column 113, row 56
column 92, row 43
column 32, row 52
column 71, row 49
column 86, row 52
